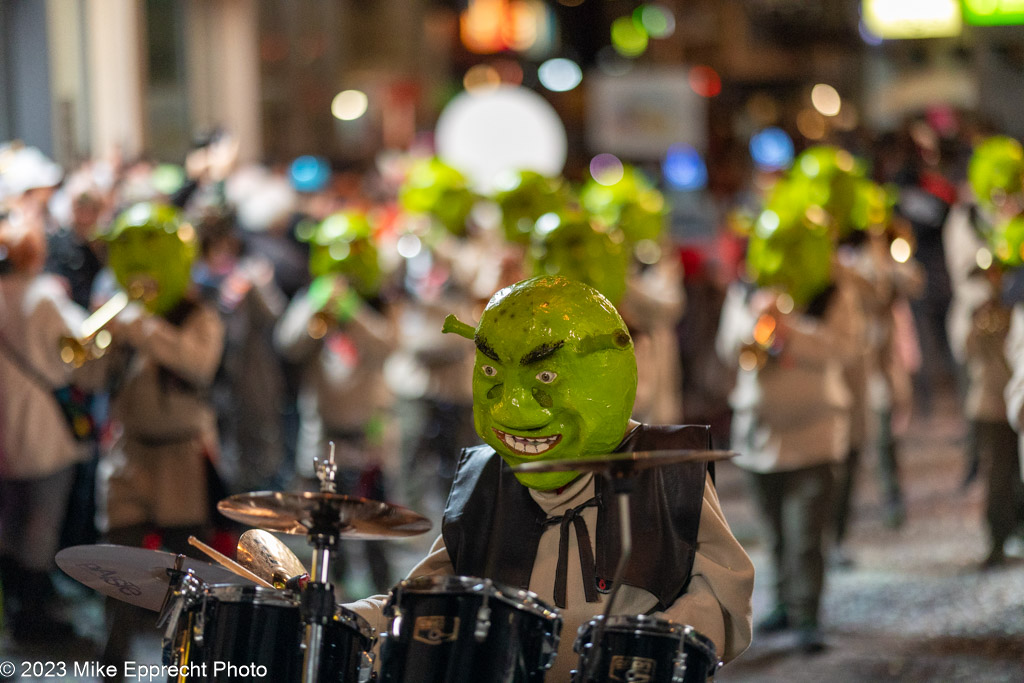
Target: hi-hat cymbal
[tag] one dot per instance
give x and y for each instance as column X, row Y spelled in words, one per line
column 292, row 513
column 134, row 575
column 623, row 463
column 263, row 553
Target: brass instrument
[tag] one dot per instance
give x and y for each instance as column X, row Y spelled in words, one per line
column 319, row 324
column 94, row 339
column 754, row 354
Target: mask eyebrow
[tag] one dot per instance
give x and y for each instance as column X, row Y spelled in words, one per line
column 485, row 348
column 541, row 352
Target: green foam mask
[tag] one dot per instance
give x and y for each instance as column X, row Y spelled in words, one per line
column 555, row 375
column 996, row 170
column 342, row 245
column 632, row 204
column 570, row 245
column 525, row 196
column 439, row 190
column 151, row 252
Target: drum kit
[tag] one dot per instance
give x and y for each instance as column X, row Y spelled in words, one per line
column 264, row 616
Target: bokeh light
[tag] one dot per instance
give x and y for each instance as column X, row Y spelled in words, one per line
column 349, row 105
column 606, row 169
column 560, row 75
column 309, row 173
column 509, row 70
column 811, row 124
column 409, row 246
column 684, row 169
column 657, row 20
column 983, row 258
column 481, row 77
column 826, row 99
column 900, row 250
column 705, row 81
column 771, row 149
column 628, row 39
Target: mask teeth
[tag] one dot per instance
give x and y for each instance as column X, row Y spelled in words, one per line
column 530, row 446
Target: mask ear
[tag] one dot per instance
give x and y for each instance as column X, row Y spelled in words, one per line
column 453, row 325
column 617, row 340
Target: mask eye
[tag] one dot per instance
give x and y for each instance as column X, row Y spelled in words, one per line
column 489, row 370
column 546, row 376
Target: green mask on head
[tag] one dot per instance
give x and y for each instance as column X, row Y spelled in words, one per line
column 342, row 245
column 569, row 245
column 555, row 375
column 151, row 252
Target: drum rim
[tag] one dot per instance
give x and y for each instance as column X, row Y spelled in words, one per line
column 643, row 624
column 518, row 598
column 356, row 621
column 248, row 594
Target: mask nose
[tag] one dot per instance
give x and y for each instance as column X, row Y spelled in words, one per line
column 518, row 408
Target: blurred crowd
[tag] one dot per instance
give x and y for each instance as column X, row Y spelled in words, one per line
column 245, row 317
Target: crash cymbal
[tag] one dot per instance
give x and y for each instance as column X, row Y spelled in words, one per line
column 292, row 513
column 623, row 463
column 262, row 553
column 134, row 575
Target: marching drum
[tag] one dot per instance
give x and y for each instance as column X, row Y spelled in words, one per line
column 643, row 648
column 234, row 633
column 456, row 629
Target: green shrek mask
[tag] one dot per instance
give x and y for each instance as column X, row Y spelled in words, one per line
column 150, row 251
column 343, row 245
column 555, row 375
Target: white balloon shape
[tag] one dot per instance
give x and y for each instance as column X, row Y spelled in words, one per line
column 484, row 134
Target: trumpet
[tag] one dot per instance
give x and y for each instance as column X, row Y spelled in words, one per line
column 754, row 354
column 94, row 339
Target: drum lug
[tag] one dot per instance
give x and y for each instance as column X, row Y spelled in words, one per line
column 483, row 622
column 366, row 668
column 200, row 625
column 679, row 662
column 483, row 615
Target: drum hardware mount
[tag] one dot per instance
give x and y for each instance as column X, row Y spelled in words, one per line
column 483, row 615
column 679, row 665
column 317, row 602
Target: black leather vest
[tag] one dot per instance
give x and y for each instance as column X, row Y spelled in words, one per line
column 492, row 526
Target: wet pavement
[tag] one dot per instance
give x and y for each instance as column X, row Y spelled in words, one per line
column 914, row 606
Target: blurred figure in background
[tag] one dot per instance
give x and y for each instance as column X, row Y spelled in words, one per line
column 988, row 377
column 339, row 333
column 249, row 385
column 879, row 380
column 791, row 426
column 75, row 255
column 167, row 347
column 38, row 448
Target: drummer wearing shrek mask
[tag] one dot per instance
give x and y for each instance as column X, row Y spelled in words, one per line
column 555, row 378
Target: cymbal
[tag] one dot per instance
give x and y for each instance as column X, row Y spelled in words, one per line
column 229, row 564
column 262, row 553
column 134, row 575
column 624, row 463
column 292, row 513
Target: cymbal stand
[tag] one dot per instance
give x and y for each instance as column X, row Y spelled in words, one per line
column 623, row 477
column 318, row 596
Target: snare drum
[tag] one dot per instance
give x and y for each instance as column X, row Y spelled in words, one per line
column 233, row 633
column 643, row 649
column 456, row 629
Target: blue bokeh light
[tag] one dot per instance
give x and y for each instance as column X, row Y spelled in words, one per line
column 309, row 173
column 684, row 169
column 771, row 149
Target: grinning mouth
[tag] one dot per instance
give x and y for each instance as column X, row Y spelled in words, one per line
column 525, row 445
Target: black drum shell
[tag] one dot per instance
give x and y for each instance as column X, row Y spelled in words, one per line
column 648, row 643
column 250, row 625
column 518, row 647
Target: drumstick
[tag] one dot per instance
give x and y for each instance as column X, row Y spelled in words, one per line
column 227, row 562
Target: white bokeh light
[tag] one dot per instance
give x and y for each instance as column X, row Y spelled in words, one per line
column 349, row 105
column 559, row 75
column 509, row 128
